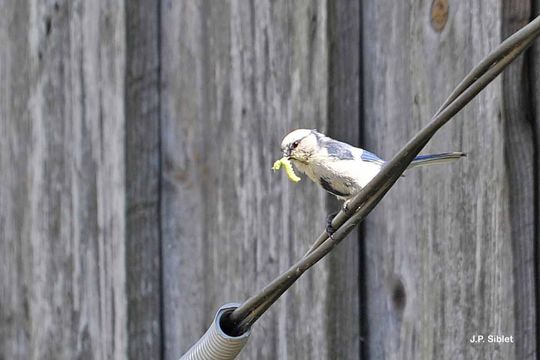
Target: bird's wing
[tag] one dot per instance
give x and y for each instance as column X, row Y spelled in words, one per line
column 340, row 150
column 371, row 157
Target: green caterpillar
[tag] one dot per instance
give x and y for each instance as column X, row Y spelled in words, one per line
column 288, row 169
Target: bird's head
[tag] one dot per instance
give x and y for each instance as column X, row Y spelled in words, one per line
column 301, row 144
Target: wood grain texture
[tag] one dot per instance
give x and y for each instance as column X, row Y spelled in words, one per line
column 534, row 89
column 143, row 250
column 345, row 301
column 517, row 111
column 62, row 173
column 237, row 76
column 447, row 255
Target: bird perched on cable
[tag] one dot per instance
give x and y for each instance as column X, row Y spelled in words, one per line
column 341, row 169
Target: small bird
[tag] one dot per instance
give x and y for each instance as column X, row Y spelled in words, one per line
column 341, row 169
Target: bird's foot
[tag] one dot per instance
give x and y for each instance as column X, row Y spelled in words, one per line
column 329, row 228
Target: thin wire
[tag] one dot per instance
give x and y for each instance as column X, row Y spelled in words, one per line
column 244, row 316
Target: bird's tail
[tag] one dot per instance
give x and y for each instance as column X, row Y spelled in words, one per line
column 434, row 159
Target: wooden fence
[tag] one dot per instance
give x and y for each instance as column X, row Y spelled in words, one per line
column 136, row 197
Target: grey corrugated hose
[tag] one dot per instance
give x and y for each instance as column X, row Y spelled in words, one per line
column 215, row 344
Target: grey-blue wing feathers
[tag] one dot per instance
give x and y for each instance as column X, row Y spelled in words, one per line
column 339, row 150
column 433, row 159
column 371, row 157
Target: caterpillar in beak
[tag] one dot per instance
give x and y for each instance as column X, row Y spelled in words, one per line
column 288, row 169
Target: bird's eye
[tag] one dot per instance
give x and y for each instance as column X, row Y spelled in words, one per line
column 295, row 144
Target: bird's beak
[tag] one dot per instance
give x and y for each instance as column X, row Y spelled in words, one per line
column 287, row 153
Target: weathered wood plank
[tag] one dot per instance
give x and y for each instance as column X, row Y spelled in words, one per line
column 237, row 76
column 517, row 108
column 62, row 174
column 344, row 292
column 143, row 180
column 534, row 73
column 447, row 258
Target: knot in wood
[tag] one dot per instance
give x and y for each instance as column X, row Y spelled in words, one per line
column 439, row 14
column 399, row 297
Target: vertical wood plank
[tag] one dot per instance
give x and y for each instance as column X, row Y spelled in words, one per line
column 447, row 256
column 517, row 108
column 182, row 217
column 534, row 73
column 62, row 175
column 345, row 303
column 236, row 77
column 143, row 180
